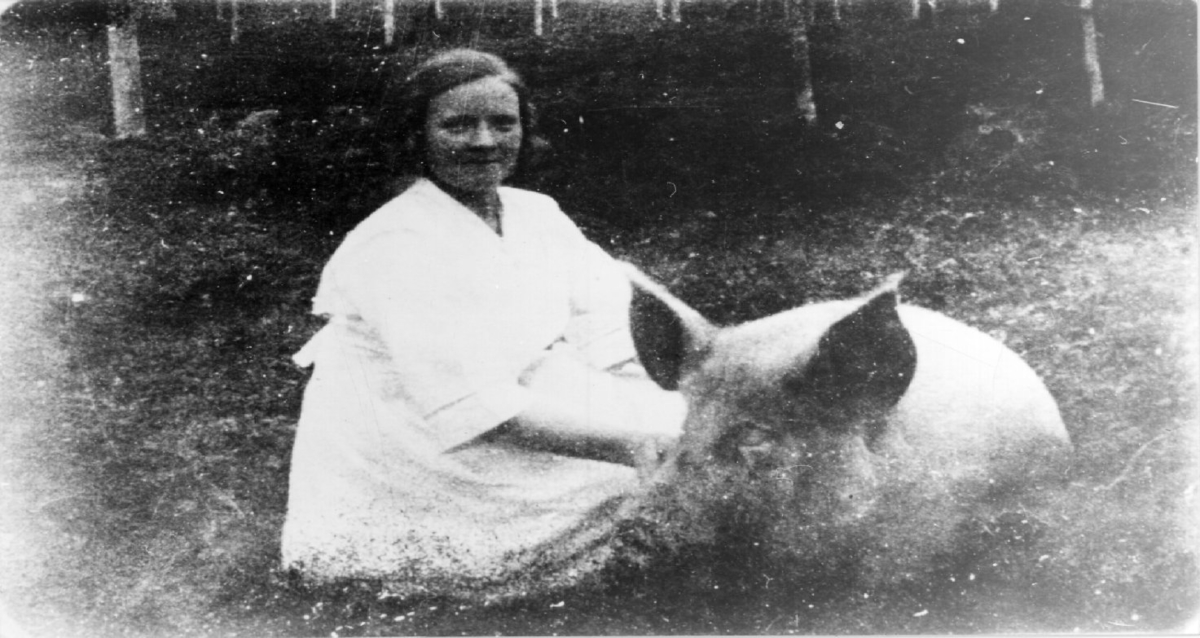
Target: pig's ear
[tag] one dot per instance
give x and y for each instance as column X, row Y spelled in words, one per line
column 865, row 361
column 671, row 338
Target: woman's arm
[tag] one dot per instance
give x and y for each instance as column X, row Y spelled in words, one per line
column 578, row 410
column 559, row 427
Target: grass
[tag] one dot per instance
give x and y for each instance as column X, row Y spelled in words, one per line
column 158, row 287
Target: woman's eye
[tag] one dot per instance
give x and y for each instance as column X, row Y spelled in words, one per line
column 455, row 124
column 505, row 126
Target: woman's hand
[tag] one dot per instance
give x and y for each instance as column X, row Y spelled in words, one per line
column 650, row 455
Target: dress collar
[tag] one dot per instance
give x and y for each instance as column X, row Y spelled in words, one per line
column 426, row 187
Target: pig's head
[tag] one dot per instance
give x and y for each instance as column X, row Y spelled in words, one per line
column 801, row 397
column 787, row 415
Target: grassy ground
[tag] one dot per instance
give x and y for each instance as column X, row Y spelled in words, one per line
column 155, row 289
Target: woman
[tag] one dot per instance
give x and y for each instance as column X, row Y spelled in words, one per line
column 476, row 418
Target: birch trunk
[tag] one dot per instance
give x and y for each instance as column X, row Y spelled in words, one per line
column 660, row 9
column 389, row 22
column 333, row 9
column 538, row 7
column 931, row 7
column 799, row 18
column 235, row 29
column 553, row 9
column 438, row 11
column 124, row 62
column 1091, row 54
column 676, row 11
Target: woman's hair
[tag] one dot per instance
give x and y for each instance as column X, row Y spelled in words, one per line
column 439, row 74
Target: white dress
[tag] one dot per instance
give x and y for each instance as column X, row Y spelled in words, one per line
column 432, row 318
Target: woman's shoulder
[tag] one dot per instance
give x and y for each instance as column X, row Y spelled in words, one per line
column 527, row 199
column 534, row 208
column 402, row 224
column 408, row 211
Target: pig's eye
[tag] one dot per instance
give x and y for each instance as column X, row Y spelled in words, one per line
column 754, row 446
column 746, row 438
column 753, row 434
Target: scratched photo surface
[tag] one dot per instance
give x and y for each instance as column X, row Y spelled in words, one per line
column 924, row 272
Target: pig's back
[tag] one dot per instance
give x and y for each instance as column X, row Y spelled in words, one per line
column 972, row 400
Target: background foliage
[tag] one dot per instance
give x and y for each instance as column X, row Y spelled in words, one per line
column 162, row 284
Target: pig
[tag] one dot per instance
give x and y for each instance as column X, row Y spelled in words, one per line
column 861, row 440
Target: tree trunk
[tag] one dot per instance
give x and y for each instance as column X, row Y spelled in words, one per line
column 333, row 9
column 924, row 10
column 537, row 17
column 676, row 11
column 124, row 62
column 235, row 27
column 553, row 9
column 659, row 9
column 1091, row 54
column 438, row 11
column 799, row 18
column 389, row 22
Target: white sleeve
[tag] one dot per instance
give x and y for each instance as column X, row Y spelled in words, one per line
column 600, row 298
column 599, row 291
column 446, row 363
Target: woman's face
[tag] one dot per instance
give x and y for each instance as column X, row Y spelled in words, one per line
column 473, row 135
